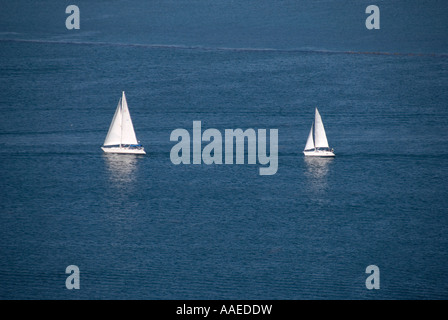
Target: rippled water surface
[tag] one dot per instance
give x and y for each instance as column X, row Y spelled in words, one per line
column 140, row 227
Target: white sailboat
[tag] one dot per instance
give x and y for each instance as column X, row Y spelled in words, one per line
column 317, row 143
column 121, row 135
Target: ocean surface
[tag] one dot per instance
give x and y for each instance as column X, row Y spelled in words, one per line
column 140, row 227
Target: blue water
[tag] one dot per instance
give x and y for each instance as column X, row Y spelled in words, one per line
column 144, row 228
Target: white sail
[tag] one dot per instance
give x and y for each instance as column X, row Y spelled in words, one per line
column 121, row 130
column 310, row 142
column 114, row 134
column 127, row 129
column 320, row 138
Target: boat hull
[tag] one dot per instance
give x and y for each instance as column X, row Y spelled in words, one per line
column 123, row 150
column 319, row 153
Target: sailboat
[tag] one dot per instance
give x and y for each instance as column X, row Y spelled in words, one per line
column 121, row 135
column 317, row 143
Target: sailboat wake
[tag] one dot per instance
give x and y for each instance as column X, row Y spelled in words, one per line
column 234, row 49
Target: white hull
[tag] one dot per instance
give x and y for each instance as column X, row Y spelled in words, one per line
column 319, row 153
column 125, row 150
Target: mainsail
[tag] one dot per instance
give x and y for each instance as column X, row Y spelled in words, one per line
column 320, row 138
column 127, row 129
column 121, row 130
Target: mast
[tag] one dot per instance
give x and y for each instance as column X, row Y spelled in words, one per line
column 121, row 124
